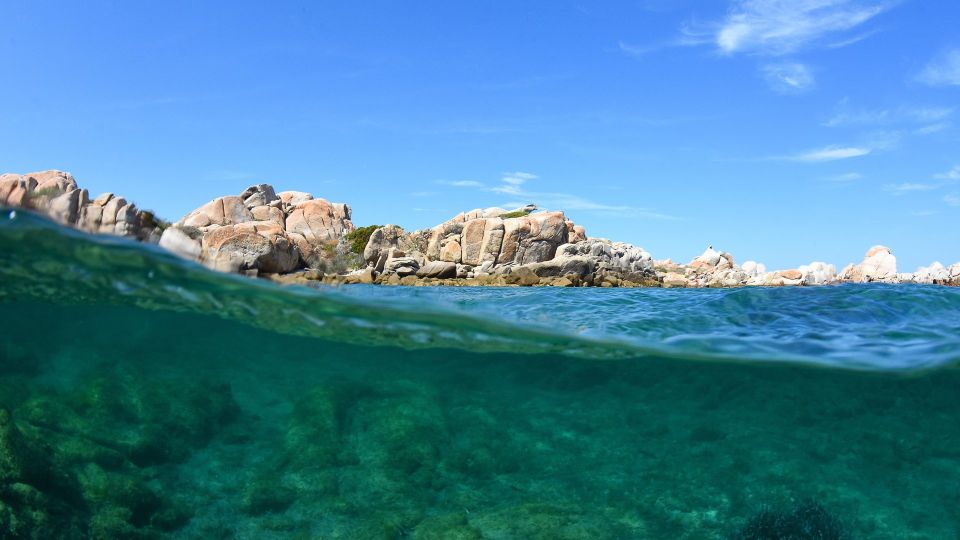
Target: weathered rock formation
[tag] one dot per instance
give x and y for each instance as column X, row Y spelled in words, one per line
column 521, row 246
column 56, row 194
column 878, row 264
column 261, row 230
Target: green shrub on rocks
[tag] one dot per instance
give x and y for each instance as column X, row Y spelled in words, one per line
column 515, row 214
column 359, row 237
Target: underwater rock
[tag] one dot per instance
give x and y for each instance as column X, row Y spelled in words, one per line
column 546, row 522
column 147, row 423
column 806, row 522
column 84, row 456
column 446, row 527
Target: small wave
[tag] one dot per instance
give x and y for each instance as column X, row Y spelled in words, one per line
column 876, row 327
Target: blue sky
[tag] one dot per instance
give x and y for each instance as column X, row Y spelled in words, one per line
column 783, row 131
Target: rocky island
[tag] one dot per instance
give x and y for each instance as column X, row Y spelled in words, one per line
column 293, row 237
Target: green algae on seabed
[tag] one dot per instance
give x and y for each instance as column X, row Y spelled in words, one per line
column 133, row 423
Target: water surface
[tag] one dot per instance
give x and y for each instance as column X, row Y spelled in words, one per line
column 145, row 397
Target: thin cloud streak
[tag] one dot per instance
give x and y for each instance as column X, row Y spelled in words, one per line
column 942, row 71
column 881, row 117
column 788, row 78
column 460, row 183
column 847, row 177
column 952, row 174
column 908, row 187
column 830, row 153
column 512, row 184
column 778, row 27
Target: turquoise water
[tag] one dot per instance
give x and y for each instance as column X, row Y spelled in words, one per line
column 145, row 397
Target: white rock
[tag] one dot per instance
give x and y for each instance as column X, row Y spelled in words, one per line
column 936, row 272
column 175, row 240
column 710, row 256
column 818, row 273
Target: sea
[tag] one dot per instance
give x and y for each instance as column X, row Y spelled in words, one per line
column 143, row 396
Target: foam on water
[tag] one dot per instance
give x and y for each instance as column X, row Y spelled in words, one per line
column 145, row 397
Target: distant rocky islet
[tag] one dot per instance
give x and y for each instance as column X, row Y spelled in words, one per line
column 293, row 237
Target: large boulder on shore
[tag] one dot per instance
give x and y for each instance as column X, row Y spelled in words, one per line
column 438, row 269
column 480, row 236
column 579, row 266
column 260, row 246
column 57, row 195
column 260, row 230
column 611, row 257
column 381, row 241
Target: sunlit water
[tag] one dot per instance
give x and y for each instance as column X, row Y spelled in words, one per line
column 144, row 397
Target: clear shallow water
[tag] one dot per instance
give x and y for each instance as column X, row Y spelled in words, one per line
column 144, row 397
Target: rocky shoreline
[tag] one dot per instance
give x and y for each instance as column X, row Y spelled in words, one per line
column 292, row 237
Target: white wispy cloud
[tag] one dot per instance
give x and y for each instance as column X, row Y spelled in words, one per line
column 513, row 184
column 952, row 174
column 517, row 178
column 850, row 41
column 460, row 183
column 907, row 187
column 879, row 117
column 924, row 213
column 943, row 70
column 575, row 203
column 846, row 177
column 952, row 199
column 830, row 153
column 778, row 27
column 932, row 128
column 788, row 78
column 637, row 50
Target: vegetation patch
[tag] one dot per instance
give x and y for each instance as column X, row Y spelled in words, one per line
column 149, row 220
column 359, row 237
column 515, row 214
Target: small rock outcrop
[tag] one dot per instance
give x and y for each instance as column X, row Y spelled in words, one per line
column 479, row 236
column 878, row 265
column 56, row 194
